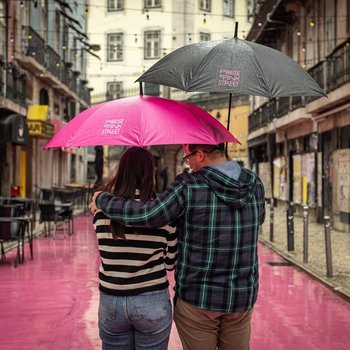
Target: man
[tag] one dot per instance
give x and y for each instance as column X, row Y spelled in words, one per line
column 217, row 209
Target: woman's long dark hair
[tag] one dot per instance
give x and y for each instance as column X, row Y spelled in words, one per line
column 135, row 172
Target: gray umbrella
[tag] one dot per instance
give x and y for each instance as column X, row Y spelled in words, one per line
column 232, row 66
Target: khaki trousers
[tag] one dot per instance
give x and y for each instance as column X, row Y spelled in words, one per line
column 201, row 329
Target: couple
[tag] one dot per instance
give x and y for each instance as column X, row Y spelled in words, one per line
column 217, row 211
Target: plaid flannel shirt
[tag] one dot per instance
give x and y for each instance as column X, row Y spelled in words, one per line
column 217, row 220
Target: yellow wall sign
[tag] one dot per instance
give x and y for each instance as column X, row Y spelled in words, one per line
column 40, row 128
column 37, row 112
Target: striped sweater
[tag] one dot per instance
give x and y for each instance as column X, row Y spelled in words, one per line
column 136, row 264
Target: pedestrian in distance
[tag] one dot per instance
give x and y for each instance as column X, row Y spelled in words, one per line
column 218, row 209
column 135, row 309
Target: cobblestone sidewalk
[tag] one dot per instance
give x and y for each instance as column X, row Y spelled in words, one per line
column 316, row 265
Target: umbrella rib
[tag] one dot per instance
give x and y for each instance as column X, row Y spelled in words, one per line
column 199, row 65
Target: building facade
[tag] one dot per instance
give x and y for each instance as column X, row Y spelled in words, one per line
column 134, row 34
column 43, row 45
column 300, row 146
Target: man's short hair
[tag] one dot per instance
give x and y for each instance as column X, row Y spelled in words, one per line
column 207, row 148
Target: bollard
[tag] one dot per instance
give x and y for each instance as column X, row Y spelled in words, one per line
column 306, row 234
column 327, row 232
column 290, row 227
column 271, row 219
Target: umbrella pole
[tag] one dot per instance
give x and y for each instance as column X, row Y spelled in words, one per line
column 228, row 123
column 141, row 90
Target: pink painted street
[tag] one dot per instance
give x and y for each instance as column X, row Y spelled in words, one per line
column 51, row 302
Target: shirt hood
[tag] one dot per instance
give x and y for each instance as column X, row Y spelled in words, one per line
column 235, row 192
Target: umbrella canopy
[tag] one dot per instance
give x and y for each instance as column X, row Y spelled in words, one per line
column 232, row 66
column 141, row 121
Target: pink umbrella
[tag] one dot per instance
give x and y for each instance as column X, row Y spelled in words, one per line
column 141, row 121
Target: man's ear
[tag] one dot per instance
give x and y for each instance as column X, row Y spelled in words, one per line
column 201, row 155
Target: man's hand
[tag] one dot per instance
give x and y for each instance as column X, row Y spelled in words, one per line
column 92, row 205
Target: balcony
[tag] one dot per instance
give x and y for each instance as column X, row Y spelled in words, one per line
column 34, row 45
column 53, row 62
column 16, row 82
column 331, row 74
column 41, row 58
column 338, row 67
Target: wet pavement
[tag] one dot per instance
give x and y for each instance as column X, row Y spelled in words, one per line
column 51, row 302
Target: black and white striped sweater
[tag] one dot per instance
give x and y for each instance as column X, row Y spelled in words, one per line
column 138, row 263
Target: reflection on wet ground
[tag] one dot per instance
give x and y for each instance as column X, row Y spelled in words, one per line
column 51, row 301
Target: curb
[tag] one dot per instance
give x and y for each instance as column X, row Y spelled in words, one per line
column 335, row 288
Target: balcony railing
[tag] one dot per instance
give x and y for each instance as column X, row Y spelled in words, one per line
column 16, row 83
column 35, row 47
column 338, row 64
column 53, row 62
column 318, row 74
column 329, row 74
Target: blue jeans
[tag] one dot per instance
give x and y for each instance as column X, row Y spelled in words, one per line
column 140, row 321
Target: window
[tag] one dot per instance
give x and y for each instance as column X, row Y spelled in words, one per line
column 152, row 44
column 152, row 3
column 204, row 36
column 115, row 5
column 250, row 8
column 114, row 90
column 115, row 47
column 205, row 5
column 228, row 8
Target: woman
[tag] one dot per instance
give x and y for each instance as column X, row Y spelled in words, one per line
column 135, row 309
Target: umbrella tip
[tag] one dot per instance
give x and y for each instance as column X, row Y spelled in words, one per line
column 236, row 30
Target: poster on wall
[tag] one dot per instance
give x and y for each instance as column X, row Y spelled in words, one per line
column 319, row 179
column 280, row 189
column 276, row 177
column 283, row 180
column 308, row 161
column 265, row 176
column 343, row 188
column 297, row 180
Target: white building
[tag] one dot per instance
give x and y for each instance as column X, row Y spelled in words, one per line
column 134, row 34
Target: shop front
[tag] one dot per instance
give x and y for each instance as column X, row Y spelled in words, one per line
column 13, row 147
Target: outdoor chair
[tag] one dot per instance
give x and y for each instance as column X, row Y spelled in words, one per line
column 10, row 210
column 50, row 214
column 65, row 210
column 12, row 230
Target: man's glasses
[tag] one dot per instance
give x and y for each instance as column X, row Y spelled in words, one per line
column 185, row 158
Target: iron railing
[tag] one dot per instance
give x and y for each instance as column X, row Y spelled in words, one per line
column 338, row 67
column 34, row 46
column 329, row 74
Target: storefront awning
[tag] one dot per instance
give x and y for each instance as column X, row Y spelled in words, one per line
column 14, row 129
